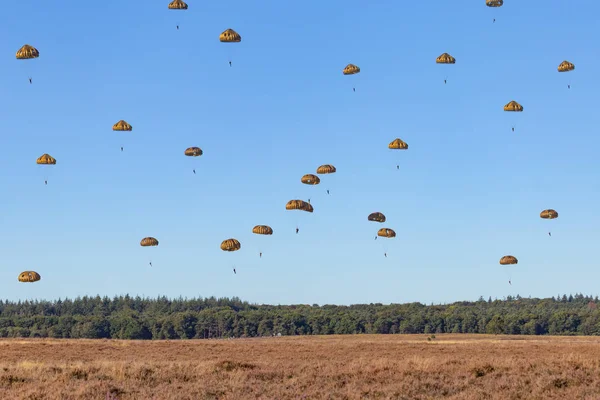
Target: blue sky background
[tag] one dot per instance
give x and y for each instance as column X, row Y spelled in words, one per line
column 468, row 190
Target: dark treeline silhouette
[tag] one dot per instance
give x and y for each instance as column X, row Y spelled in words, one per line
column 127, row 317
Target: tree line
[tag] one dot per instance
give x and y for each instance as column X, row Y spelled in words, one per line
column 125, row 317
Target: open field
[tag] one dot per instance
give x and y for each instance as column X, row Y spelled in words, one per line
column 328, row 367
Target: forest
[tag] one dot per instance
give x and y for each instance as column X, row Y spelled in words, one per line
column 126, row 317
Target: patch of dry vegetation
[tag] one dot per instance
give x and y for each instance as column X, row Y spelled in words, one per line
column 319, row 367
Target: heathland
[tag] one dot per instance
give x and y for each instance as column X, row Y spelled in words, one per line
column 304, row 367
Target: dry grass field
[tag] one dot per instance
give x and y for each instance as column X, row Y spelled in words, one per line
column 319, row 367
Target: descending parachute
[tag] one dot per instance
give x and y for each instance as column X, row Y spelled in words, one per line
column 494, row 3
column 376, row 217
column 29, row 276
column 445, row 58
column 299, row 205
column 230, row 245
column 262, row 230
column 178, row 5
column 566, row 66
column 27, row 52
column 230, row 36
column 148, row 241
column 46, row 159
column 193, row 151
column 398, row 144
column 122, row 126
column 513, row 106
column 386, row 232
column 506, row 261
column 351, row 69
column 310, row 179
column 549, row 214
column 326, row 169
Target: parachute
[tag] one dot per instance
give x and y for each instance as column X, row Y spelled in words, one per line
column 230, row 245
column 29, row 276
column 326, row 169
column 27, row 52
column 513, row 106
column 376, row 217
column 262, row 230
column 178, row 5
column 310, row 179
column 566, row 66
column 148, row 241
column 508, row 260
column 193, row 151
column 549, row 214
column 494, row 3
column 386, row 232
column 122, row 126
column 46, row 159
column 230, row 36
column 398, row 144
column 445, row 58
column 351, row 69
column 299, row 205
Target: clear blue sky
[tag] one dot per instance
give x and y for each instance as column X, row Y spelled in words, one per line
column 468, row 190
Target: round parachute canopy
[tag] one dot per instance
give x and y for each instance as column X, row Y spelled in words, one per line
column 386, row 232
column 549, row 214
column 445, row 59
column 494, row 3
column 26, row 52
column 376, row 217
column 508, row 260
column 397, row 144
column 230, row 36
column 193, row 151
column 46, row 159
column 310, row 179
column 513, row 106
column 148, row 241
column 299, row 205
column 326, row 169
column 351, row 69
column 566, row 66
column 262, row 230
column 177, row 5
column 230, row 245
column 122, row 126
column 29, row 276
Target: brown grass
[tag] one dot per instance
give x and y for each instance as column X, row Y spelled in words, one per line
column 319, row 367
